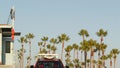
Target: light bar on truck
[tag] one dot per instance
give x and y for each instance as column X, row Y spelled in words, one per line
column 48, row 56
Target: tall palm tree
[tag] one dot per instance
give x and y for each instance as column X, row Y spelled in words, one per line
column 84, row 33
column 43, row 51
column 98, row 47
column 29, row 36
column 92, row 44
column 115, row 52
column 76, row 63
column 85, row 47
column 62, row 38
column 53, row 41
column 48, row 47
column 40, row 44
column 110, row 57
column 75, row 47
column 82, row 64
column 99, row 63
column 22, row 40
column 44, row 39
column 53, row 48
column 81, row 51
column 101, row 33
column 28, row 61
column 67, row 55
column 103, row 58
column 88, row 63
column 71, row 65
column 103, row 48
column 20, row 56
column 94, row 63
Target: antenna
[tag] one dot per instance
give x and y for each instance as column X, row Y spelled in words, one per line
column 8, row 19
column 12, row 15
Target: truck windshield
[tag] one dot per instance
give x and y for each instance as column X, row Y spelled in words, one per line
column 49, row 64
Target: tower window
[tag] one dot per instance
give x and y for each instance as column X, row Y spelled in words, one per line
column 7, row 47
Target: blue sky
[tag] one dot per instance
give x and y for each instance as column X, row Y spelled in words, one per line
column 52, row 17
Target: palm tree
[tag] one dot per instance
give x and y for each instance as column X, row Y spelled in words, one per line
column 103, row 47
column 22, row 40
column 115, row 52
column 82, row 64
column 62, row 38
column 53, row 48
column 35, row 58
column 99, row 63
column 48, row 47
column 110, row 57
column 29, row 36
column 84, row 33
column 94, row 63
column 28, row 59
column 76, row 62
column 101, row 33
column 67, row 55
column 98, row 47
column 44, row 51
column 92, row 44
column 85, row 47
column 88, row 63
column 20, row 56
column 40, row 44
column 53, row 41
column 103, row 58
column 71, row 65
column 44, row 39
column 81, row 49
column 75, row 47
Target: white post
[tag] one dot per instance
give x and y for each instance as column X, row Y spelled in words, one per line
column 13, row 23
column 0, row 46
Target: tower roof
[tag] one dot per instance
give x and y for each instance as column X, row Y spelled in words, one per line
column 6, row 30
column 5, row 26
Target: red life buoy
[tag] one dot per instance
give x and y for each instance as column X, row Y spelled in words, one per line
column 13, row 33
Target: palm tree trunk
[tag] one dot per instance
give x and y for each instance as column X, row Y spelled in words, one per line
column 101, row 39
column 62, row 51
column 77, row 54
column 81, row 58
column 44, row 44
column 22, row 56
column 85, row 58
column 84, row 52
column 40, row 49
column 20, row 62
column 91, row 59
column 103, row 61
column 29, row 54
column 87, row 65
column 49, row 51
column 114, row 62
column 110, row 63
column 74, row 54
column 99, row 58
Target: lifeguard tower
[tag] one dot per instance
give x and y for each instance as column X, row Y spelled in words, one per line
column 7, row 34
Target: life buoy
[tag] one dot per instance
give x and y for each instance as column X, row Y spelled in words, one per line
column 13, row 33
